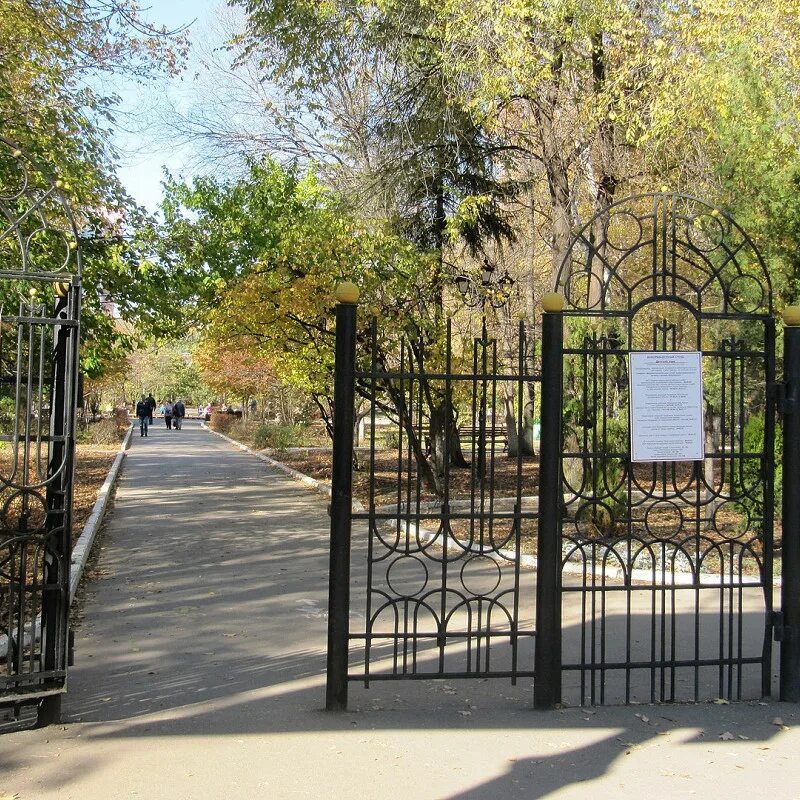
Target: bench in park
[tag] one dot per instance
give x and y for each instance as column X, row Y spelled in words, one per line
column 496, row 436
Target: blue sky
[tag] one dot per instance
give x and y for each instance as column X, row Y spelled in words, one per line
column 144, row 155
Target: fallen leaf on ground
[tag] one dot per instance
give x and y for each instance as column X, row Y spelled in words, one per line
column 727, row 736
column 777, row 721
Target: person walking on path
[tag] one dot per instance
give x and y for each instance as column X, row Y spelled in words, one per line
column 168, row 410
column 152, row 402
column 178, row 413
column 143, row 412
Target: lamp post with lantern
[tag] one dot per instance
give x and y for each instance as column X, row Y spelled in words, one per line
column 491, row 288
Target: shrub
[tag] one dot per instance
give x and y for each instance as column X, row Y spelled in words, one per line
column 104, row 431
column 750, row 488
column 278, row 437
column 221, row 422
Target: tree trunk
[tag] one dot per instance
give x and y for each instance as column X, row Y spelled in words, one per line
column 444, row 442
column 426, row 472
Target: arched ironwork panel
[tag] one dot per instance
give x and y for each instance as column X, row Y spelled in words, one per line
column 40, row 269
column 666, row 565
column 664, row 245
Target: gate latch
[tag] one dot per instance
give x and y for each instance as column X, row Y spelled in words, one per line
column 785, row 398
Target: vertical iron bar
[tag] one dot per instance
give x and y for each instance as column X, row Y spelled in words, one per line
column 547, row 667
column 341, row 508
column 444, row 524
column 522, row 363
column 790, row 584
column 768, row 521
column 371, row 534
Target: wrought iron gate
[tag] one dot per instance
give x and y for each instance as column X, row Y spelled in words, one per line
column 653, row 578
column 438, row 588
column 666, row 566
column 39, row 332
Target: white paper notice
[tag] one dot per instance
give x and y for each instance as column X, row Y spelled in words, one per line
column 666, row 401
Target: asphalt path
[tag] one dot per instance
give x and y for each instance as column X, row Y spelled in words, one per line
column 200, row 664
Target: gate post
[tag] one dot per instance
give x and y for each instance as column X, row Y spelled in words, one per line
column 790, row 572
column 341, row 499
column 55, row 602
column 547, row 665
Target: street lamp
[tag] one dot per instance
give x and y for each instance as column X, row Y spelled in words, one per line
column 489, row 289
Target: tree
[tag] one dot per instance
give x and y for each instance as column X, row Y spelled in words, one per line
column 167, row 370
column 52, row 110
column 272, row 248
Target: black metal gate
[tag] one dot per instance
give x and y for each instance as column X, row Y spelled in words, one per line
column 438, row 588
column 666, row 566
column 39, row 333
column 653, row 574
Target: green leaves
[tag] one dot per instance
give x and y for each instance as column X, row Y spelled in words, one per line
column 53, row 109
column 263, row 256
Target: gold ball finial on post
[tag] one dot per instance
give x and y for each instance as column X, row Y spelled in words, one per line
column 552, row 302
column 347, row 292
column 791, row 316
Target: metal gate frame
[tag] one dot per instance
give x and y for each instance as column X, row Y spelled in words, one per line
column 39, row 380
column 702, row 264
column 425, row 602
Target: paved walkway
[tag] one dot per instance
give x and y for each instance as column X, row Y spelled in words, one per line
column 200, row 674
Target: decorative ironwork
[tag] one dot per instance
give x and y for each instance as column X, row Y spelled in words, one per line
column 446, row 591
column 39, row 329
column 653, row 580
column 671, row 561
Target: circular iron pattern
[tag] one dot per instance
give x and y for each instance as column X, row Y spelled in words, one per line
column 583, row 290
column 24, row 512
column 745, row 294
column 407, row 576
column 480, row 575
column 731, row 520
column 623, row 231
column 48, row 249
column 706, row 232
column 595, row 520
column 664, row 520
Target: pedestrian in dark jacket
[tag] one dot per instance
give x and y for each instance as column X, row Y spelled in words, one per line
column 178, row 413
column 168, row 414
column 152, row 401
column 143, row 413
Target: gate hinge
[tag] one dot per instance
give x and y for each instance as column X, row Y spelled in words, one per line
column 781, row 631
column 784, row 399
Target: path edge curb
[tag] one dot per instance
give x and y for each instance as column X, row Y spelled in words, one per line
column 83, row 546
